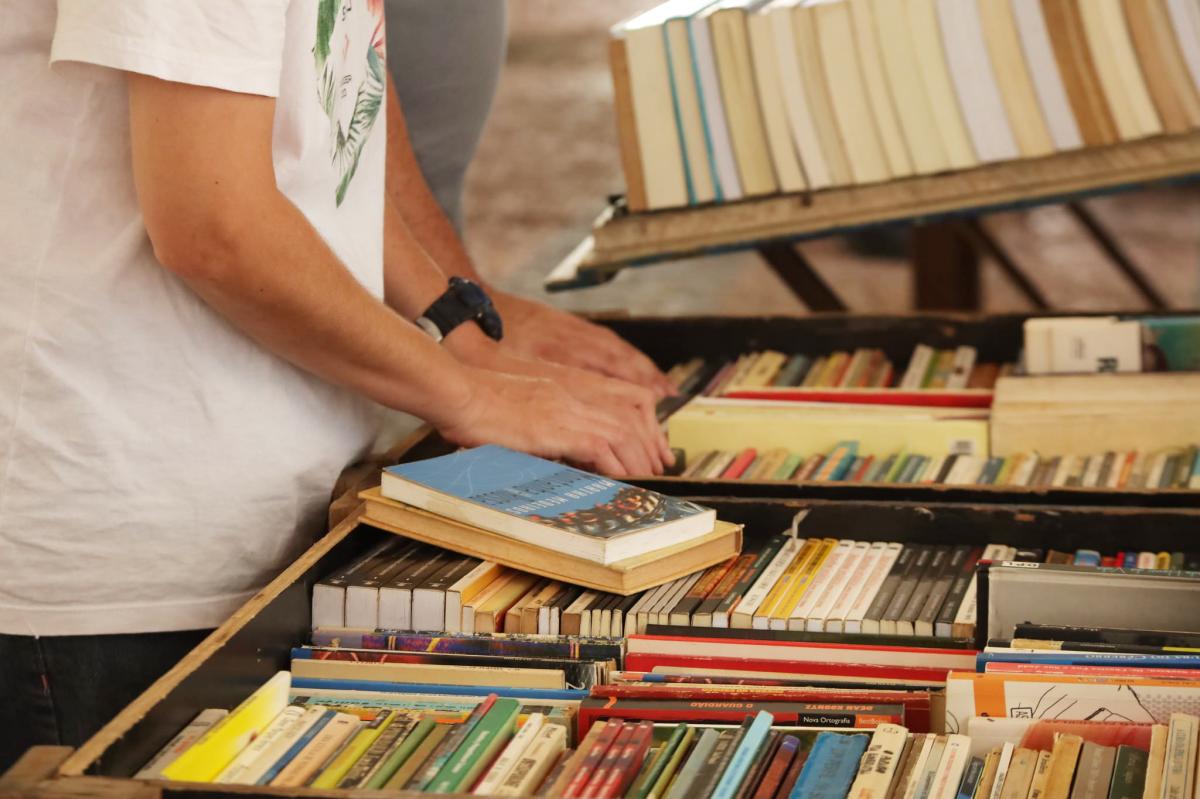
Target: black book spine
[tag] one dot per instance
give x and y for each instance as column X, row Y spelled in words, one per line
column 941, row 589
column 958, row 592
column 891, row 583
column 908, row 584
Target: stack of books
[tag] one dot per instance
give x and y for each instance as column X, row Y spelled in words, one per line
column 723, row 99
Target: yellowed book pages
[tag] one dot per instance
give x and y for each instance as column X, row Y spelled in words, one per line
column 428, row 673
column 1012, row 75
column 925, row 30
column 734, row 425
column 848, row 91
column 691, row 121
column 816, row 86
column 489, row 617
column 1166, row 74
column 623, row 577
column 771, row 100
column 1118, row 69
column 653, row 111
column 909, row 96
column 795, row 95
column 1061, row 771
column 735, row 69
column 887, row 123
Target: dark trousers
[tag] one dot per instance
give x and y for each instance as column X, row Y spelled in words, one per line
column 60, row 690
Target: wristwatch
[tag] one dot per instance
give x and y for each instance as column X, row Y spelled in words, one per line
column 463, row 301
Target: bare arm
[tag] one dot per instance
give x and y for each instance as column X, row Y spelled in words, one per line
column 206, row 185
column 533, row 328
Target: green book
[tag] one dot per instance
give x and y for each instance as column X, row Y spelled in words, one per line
column 478, row 749
column 893, row 475
column 353, row 751
column 393, row 760
column 445, row 750
column 1129, row 773
column 650, row 774
column 788, row 467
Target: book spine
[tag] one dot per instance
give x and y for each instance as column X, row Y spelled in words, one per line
column 399, row 752
column 445, row 750
column 872, row 619
column 590, row 761
column 476, row 749
column 591, row 790
column 739, row 763
column 961, row 582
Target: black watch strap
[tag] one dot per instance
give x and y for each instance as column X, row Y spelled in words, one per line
column 463, row 301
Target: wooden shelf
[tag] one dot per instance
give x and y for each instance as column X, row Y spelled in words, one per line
column 620, row 239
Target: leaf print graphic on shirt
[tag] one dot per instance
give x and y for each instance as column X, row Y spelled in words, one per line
column 352, row 78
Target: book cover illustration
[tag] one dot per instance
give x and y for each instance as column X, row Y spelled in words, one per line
column 545, row 492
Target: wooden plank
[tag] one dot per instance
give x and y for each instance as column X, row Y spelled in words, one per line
column 91, row 751
column 38, row 763
column 620, row 240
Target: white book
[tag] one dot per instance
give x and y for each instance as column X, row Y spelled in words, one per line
column 969, row 609
column 453, row 619
column 1063, row 472
column 507, row 759
column 533, row 766
column 964, row 362
column 918, row 365
column 653, row 601
column 266, row 757
column 965, row 471
column 771, row 101
column 1024, row 472
column 581, row 602
column 835, row 621
column 1185, row 19
column 1047, row 79
column 975, row 82
column 631, row 614
column 704, row 63
column 848, row 577
column 236, row 772
column 883, row 108
column 795, row 95
column 950, row 770
column 1006, row 753
column 204, row 720
column 1158, row 462
column 826, row 579
column 931, row 470
column 925, row 777
column 1091, row 474
column 1119, row 69
column 878, row 764
column 1114, row 472
column 925, row 742
column 744, row 612
column 682, row 586
column 854, row 618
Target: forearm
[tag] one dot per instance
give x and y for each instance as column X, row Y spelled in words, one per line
column 315, row 314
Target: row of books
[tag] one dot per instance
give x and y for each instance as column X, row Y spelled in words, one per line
column 1087, row 344
column 927, row 368
column 846, row 463
column 723, row 99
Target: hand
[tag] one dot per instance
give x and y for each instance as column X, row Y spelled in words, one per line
column 538, row 416
column 539, row 331
column 645, row 452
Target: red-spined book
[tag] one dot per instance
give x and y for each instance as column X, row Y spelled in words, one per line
column 827, row 672
column 591, row 760
column 773, row 778
column 628, row 763
column 607, row 763
column 760, row 649
column 793, row 773
column 916, row 703
column 704, row 711
column 740, row 464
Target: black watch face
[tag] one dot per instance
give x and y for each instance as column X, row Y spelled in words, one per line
column 471, row 294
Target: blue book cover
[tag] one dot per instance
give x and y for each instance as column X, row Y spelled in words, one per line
column 295, row 748
column 970, row 780
column 1057, row 658
column 831, row 766
column 313, row 683
column 540, row 491
column 743, row 756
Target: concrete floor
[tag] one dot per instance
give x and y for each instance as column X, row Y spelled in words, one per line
column 549, row 158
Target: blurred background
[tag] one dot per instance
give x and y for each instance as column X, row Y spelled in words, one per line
column 548, row 160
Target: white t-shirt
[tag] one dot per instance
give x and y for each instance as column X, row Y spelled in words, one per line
column 156, row 465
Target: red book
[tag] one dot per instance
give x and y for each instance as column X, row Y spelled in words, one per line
column 778, row 769
column 799, row 714
column 629, row 762
column 793, row 774
column 592, row 760
column 740, row 464
column 600, row 775
column 916, row 703
column 861, row 472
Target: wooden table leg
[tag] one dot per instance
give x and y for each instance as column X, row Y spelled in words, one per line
column 795, row 270
column 945, row 269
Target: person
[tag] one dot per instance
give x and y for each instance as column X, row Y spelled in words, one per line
column 216, row 270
